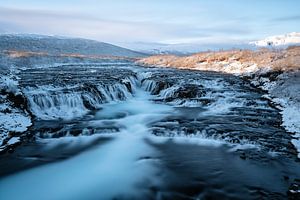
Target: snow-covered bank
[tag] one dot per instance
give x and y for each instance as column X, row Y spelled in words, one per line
column 284, row 91
column 275, row 71
column 13, row 119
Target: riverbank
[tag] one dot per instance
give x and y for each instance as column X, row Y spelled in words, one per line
column 275, row 71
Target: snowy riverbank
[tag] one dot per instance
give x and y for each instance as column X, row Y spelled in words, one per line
column 284, row 92
column 13, row 118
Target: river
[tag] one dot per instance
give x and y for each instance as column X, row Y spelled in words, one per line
column 117, row 130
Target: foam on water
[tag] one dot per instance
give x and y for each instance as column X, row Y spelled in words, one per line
column 223, row 103
column 202, row 139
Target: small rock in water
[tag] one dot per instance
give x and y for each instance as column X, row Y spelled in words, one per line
column 243, row 156
column 10, row 150
column 294, row 190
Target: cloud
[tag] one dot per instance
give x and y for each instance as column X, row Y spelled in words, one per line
column 71, row 24
column 288, row 18
column 78, row 24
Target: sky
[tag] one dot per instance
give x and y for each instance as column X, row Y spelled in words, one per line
column 152, row 21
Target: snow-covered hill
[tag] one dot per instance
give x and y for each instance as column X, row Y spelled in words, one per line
column 279, row 40
column 60, row 45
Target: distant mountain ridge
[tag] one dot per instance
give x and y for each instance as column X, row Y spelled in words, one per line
column 279, row 40
column 185, row 48
column 61, row 45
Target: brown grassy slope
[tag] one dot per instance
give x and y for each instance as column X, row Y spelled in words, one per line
column 288, row 59
column 20, row 54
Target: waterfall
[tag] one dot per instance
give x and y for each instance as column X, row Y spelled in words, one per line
column 54, row 106
column 50, row 102
column 149, row 85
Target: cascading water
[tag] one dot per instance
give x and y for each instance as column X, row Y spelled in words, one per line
column 61, row 103
column 145, row 133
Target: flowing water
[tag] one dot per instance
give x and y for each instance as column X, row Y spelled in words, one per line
column 120, row 131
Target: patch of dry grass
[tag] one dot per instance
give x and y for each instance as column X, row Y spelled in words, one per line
column 23, row 54
column 19, row 54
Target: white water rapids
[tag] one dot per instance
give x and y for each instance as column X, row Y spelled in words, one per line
column 107, row 171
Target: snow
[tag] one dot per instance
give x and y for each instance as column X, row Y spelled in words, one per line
column 291, row 122
column 13, row 140
column 11, row 119
column 231, row 67
column 9, row 84
column 279, row 40
column 14, row 122
column 291, row 118
column 296, row 143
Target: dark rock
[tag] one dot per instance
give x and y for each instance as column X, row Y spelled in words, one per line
column 76, row 132
column 128, row 86
column 294, row 191
column 205, row 101
column 190, row 91
column 243, row 156
column 161, row 85
column 10, row 150
column 18, row 100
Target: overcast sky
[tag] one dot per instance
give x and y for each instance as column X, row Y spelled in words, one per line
column 162, row 21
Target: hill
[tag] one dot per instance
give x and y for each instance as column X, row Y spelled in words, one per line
column 59, row 45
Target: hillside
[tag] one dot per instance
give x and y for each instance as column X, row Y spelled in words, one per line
column 58, row 45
